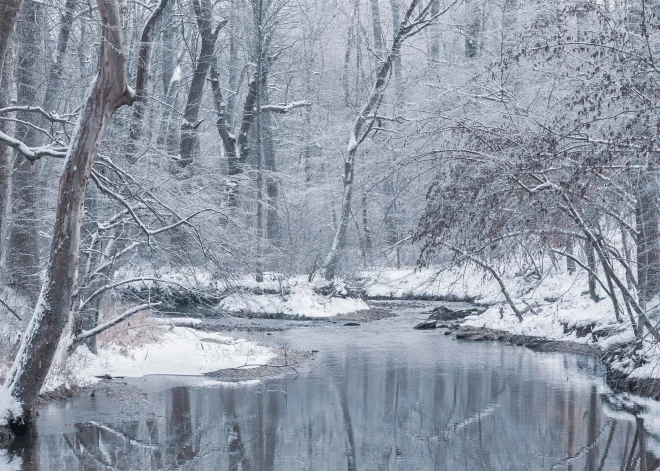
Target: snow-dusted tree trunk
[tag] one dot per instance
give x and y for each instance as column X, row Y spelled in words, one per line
column 364, row 121
column 377, row 27
column 108, row 92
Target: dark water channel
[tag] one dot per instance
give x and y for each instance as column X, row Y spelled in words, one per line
column 380, row 396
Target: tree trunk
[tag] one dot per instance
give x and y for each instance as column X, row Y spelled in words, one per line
column 9, row 10
column 189, row 148
column 591, row 263
column 171, row 77
column 359, row 133
column 377, row 29
column 648, row 243
column 260, row 158
column 272, row 188
column 23, row 260
column 435, row 35
column 53, row 84
column 570, row 263
column 473, row 31
column 396, row 21
column 142, row 78
column 5, row 164
column 107, row 93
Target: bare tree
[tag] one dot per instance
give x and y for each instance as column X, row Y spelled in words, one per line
column 108, row 92
column 411, row 25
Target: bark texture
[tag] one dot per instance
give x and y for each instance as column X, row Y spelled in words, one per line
column 23, row 260
column 108, row 92
column 9, row 10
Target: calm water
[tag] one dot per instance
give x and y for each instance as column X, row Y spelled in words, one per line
column 380, row 396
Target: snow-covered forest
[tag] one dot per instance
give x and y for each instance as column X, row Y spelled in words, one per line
column 299, row 158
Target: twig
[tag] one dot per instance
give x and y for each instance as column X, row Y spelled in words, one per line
column 10, row 310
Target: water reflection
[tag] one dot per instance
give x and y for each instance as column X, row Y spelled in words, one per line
column 384, row 399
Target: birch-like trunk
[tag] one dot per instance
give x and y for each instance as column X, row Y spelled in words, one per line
column 108, row 92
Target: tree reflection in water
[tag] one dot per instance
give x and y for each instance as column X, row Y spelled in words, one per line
column 485, row 407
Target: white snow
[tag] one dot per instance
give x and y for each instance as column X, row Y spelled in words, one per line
column 549, row 305
column 181, row 351
column 301, row 300
column 10, row 462
column 9, row 406
column 276, row 294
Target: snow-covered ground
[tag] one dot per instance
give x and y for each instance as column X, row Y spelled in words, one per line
column 554, row 306
column 276, row 294
column 298, row 300
column 178, row 351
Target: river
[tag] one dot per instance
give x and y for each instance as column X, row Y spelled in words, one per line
column 378, row 396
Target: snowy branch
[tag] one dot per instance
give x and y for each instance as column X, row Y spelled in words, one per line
column 284, row 108
column 33, row 153
column 85, row 334
column 53, row 117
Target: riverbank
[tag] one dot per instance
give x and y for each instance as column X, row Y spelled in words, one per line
column 557, row 315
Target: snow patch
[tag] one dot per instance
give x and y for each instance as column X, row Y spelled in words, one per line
column 9, row 406
column 181, row 351
column 300, row 300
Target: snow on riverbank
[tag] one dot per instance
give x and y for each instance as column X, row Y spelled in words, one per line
column 276, row 294
column 555, row 306
column 9, row 407
column 300, row 300
column 179, row 351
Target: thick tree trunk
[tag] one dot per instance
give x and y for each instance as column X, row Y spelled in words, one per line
column 108, row 91
column 272, row 187
column 23, row 260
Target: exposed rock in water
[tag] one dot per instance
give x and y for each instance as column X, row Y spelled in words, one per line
column 443, row 313
column 426, row 325
column 351, row 324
